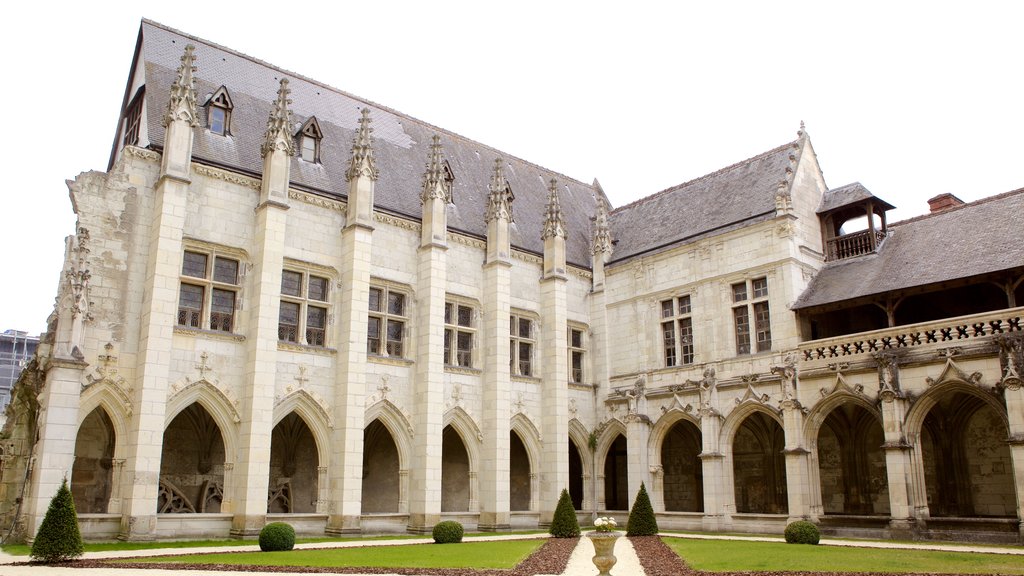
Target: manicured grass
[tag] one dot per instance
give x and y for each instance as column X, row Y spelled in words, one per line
column 501, row 554
column 23, row 549
column 736, row 556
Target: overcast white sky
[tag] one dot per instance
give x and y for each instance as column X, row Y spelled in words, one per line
column 910, row 98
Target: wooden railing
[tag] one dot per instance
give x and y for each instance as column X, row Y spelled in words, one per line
column 854, row 244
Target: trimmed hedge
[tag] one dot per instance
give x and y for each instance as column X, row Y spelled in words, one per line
column 58, row 538
column 802, row 532
column 277, row 537
column 641, row 517
column 564, row 523
column 447, row 532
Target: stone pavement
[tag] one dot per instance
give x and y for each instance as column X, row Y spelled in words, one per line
column 580, row 563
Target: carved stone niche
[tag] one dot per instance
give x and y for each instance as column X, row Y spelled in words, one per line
column 1011, row 360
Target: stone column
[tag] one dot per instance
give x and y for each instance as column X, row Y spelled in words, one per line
column 257, row 398
column 159, row 312
column 638, row 435
column 1011, row 363
column 346, row 465
column 495, row 461
column 428, row 387
column 716, row 517
column 899, row 466
column 554, row 472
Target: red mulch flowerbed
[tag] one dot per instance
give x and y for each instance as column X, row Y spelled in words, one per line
column 551, row 558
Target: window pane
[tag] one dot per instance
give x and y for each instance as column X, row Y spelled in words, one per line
column 318, row 288
column 194, row 265
column 684, row 304
column 373, row 336
column 762, row 324
column 291, row 283
column 524, row 328
column 666, row 309
column 309, row 149
column 742, row 318
column 525, row 355
column 669, row 335
column 448, row 312
column 760, row 286
column 288, row 322
column 739, row 292
column 190, row 306
column 465, row 349
column 512, row 357
column 375, row 296
column 316, row 323
column 576, row 338
column 448, row 344
column 576, row 371
column 465, row 316
column 513, row 325
column 686, row 340
column 222, row 310
column 225, row 270
column 396, row 303
column 395, row 329
column 217, row 118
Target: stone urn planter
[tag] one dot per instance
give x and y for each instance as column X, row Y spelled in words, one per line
column 604, row 547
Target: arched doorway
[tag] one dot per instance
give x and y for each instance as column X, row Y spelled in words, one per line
column 92, row 474
column 519, row 474
column 759, row 467
column 381, row 480
column 454, row 472
column 293, row 467
column 616, row 475
column 851, row 463
column 967, row 466
column 192, row 464
column 575, row 476
column 683, row 471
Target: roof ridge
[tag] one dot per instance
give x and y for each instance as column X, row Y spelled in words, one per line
column 699, row 178
column 304, row 78
column 957, row 208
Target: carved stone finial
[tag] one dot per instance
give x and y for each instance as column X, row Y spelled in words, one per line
column 498, row 200
column 279, row 125
column 802, row 132
column 182, row 105
column 553, row 223
column 435, row 184
column 602, row 232
column 362, row 163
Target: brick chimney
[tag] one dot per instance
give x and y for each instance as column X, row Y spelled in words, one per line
column 943, row 202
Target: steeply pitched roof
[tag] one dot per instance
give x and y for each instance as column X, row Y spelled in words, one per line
column 401, row 144
column 731, row 197
column 977, row 238
column 847, row 195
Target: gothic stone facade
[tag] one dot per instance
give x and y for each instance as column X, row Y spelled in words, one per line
column 283, row 302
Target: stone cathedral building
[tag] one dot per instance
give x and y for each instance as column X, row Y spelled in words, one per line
column 284, row 302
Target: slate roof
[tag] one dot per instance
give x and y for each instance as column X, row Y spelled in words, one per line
column 401, row 144
column 969, row 240
column 847, row 195
column 734, row 196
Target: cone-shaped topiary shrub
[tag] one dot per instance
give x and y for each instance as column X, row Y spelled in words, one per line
column 802, row 532
column 641, row 517
column 277, row 537
column 447, row 532
column 58, row 538
column 564, row 524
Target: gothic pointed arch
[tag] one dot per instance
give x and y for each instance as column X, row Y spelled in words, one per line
column 740, row 413
column 295, row 459
column 310, row 136
column 663, row 426
column 313, row 413
column 674, row 447
column 218, row 111
column 113, row 399
column 754, row 437
column 463, row 423
column 580, row 463
column 214, row 401
column 839, row 395
column 950, row 381
column 848, row 462
column 522, row 425
column 458, row 468
column 397, row 424
column 193, row 460
column 92, row 475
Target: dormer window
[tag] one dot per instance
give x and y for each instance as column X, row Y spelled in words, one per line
column 449, row 180
column 218, row 112
column 310, row 136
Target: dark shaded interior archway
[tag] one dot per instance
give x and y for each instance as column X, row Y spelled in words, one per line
column 759, row 467
column 616, row 474
column 293, row 467
column 92, row 473
column 454, row 472
column 967, row 466
column 575, row 476
column 192, row 464
column 851, row 463
column 683, row 478
column 519, row 474
column 381, row 488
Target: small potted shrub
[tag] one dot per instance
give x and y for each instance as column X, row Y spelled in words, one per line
column 277, row 537
column 447, row 532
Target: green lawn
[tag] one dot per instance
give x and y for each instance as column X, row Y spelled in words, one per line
column 501, row 554
column 23, row 549
column 731, row 555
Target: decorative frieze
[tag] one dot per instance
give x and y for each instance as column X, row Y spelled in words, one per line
column 314, row 200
